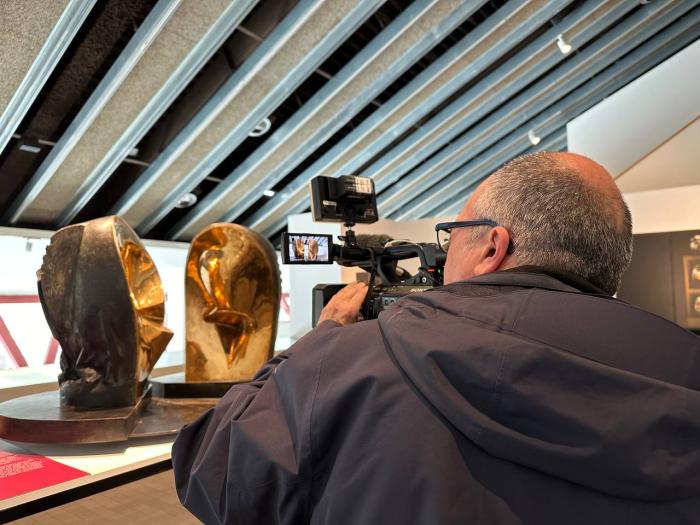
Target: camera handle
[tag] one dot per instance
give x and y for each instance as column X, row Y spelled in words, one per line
column 350, row 241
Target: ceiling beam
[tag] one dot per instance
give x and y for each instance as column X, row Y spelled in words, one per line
column 583, row 24
column 541, row 95
column 451, row 192
column 282, row 61
column 420, row 27
column 209, row 23
column 460, row 64
column 34, row 37
column 482, row 165
column 554, row 142
column 38, row 203
column 157, row 64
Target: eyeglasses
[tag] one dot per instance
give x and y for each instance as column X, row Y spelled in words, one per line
column 444, row 229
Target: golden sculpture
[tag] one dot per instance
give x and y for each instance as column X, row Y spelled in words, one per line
column 104, row 302
column 232, row 289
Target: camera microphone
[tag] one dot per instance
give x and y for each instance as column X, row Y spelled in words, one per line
column 374, row 242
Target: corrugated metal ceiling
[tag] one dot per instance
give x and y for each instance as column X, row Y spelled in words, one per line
column 124, row 106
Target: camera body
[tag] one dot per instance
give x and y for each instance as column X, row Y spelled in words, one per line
column 352, row 200
column 381, row 297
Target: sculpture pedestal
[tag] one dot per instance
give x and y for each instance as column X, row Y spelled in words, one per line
column 162, row 417
column 40, row 418
column 175, row 386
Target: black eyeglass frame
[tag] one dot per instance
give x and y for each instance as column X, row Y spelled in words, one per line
column 447, row 227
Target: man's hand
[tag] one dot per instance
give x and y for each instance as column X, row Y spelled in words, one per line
column 344, row 306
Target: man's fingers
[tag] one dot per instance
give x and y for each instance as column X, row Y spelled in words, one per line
column 345, row 305
column 347, row 293
column 359, row 293
column 351, row 290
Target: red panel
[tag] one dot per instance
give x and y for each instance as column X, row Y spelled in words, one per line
column 9, row 343
column 22, row 473
column 19, row 299
column 284, row 303
column 51, row 352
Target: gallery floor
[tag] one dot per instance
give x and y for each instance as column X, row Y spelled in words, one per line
column 145, row 501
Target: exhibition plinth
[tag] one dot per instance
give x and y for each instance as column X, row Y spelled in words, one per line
column 40, row 418
column 176, row 386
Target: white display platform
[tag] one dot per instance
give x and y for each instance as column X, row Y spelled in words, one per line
column 101, row 461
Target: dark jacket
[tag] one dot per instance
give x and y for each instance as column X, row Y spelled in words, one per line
column 509, row 398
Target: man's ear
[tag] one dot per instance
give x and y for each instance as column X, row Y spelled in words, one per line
column 493, row 252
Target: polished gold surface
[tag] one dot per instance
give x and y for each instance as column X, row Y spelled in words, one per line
column 104, row 302
column 232, row 288
column 147, row 298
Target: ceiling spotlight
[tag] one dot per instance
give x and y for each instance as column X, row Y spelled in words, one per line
column 563, row 45
column 534, row 139
column 269, row 193
column 263, row 127
column 187, row 200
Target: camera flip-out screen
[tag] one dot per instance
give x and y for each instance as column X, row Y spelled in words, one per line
column 306, row 248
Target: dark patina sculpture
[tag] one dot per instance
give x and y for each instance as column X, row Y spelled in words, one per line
column 104, row 302
column 232, row 288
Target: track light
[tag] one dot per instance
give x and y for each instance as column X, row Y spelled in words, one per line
column 563, row 45
column 534, row 139
column 263, row 127
column 187, row 200
column 29, row 145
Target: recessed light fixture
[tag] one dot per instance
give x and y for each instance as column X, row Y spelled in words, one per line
column 563, row 45
column 263, row 127
column 269, row 193
column 534, row 139
column 30, row 146
column 187, row 200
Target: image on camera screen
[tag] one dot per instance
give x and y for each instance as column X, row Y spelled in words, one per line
column 308, row 248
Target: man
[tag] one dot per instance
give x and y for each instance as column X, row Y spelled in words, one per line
column 519, row 392
column 298, row 249
column 313, row 249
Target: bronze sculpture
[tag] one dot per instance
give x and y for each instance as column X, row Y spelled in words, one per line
column 232, row 291
column 104, row 302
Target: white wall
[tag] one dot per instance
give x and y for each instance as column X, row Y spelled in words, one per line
column 665, row 210
column 626, row 126
column 21, row 255
column 672, row 164
column 170, row 262
column 648, row 136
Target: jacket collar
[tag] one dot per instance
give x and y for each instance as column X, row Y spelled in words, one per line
column 539, row 277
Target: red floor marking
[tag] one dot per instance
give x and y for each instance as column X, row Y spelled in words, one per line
column 22, row 473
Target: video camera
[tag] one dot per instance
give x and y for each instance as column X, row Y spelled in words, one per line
column 352, row 200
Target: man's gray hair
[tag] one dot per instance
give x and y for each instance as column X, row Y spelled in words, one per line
column 558, row 220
